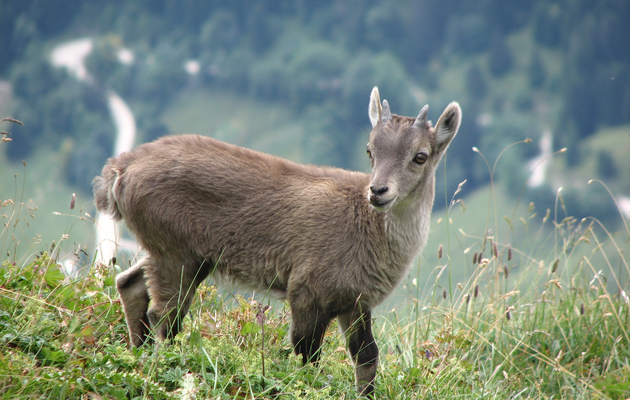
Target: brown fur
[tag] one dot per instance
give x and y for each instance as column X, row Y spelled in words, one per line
column 321, row 238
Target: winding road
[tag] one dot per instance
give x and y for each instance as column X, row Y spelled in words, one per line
column 71, row 55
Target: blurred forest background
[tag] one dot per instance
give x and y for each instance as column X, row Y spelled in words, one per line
column 293, row 78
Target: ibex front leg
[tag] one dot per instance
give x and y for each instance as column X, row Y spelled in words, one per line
column 131, row 285
column 362, row 346
column 172, row 286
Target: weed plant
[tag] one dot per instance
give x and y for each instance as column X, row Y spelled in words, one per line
column 548, row 322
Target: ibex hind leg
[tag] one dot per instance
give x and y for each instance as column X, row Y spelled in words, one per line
column 357, row 328
column 172, row 287
column 131, row 285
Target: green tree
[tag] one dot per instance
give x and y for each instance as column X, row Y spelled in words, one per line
column 606, row 167
column 469, row 34
column 536, row 72
column 500, row 58
column 476, row 82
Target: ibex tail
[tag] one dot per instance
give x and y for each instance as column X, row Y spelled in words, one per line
column 104, row 196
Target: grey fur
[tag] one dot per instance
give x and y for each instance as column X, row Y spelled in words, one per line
column 334, row 243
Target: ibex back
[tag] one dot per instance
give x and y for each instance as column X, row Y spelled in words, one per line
column 333, row 243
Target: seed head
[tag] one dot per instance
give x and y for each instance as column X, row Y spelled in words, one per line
column 440, row 250
column 475, row 258
column 495, row 250
column 444, row 294
column 506, row 271
column 15, row 121
column 582, row 309
column 507, row 314
column 509, row 252
column 476, row 290
column 72, row 200
column 555, row 265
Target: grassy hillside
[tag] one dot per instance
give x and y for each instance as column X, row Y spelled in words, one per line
column 266, row 127
column 562, row 335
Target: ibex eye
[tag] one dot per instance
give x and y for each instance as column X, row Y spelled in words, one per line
column 369, row 153
column 420, row 158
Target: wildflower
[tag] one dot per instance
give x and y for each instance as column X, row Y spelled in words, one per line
column 260, row 313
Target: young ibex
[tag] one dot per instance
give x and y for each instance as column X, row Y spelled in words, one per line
column 334, row 243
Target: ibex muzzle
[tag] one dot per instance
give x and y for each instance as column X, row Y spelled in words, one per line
column 333, row 243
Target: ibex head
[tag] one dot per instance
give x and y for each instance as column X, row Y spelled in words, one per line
column 404, row 151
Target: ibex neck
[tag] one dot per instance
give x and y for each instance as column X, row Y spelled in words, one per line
column 407, row 228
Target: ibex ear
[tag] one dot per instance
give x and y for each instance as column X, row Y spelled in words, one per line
column 375, row 109
column 447, row 126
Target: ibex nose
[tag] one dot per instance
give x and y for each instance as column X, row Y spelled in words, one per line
column 378, row 190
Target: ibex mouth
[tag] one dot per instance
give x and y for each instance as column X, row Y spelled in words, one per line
column 380, row 203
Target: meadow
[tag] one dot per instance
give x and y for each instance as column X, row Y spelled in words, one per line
column 505, row 303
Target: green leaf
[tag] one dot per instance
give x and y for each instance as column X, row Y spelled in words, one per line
column 53, row 275
column 69, row 297
column 249, row 327
column 109, row 281
column 86, row 331
column 73, row 326
column 52, row 357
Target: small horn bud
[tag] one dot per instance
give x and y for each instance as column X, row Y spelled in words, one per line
column 421, row 119
column 386, row 113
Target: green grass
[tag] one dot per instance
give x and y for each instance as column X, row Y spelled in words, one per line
column 555, row 325
column 39, row 189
